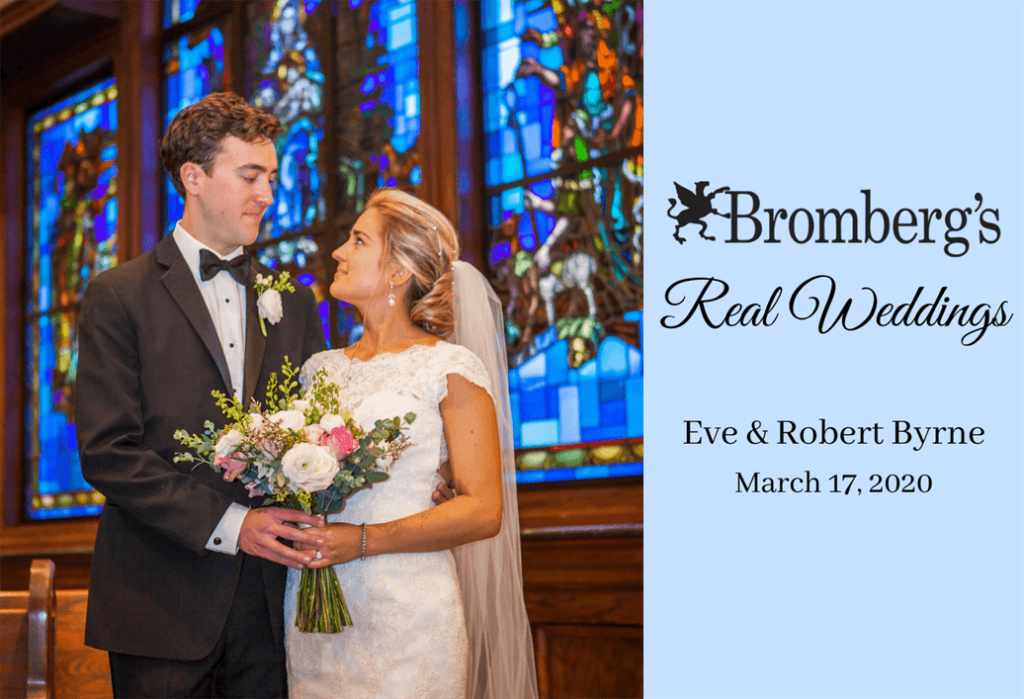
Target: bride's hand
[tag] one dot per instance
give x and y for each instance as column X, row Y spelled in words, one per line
column 342, row 543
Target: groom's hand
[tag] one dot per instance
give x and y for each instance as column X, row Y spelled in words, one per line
column 264, row 525
column 445, row 490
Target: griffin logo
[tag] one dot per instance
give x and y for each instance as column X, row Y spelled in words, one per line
column 698, row 206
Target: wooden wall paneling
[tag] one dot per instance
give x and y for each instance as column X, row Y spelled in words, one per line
column 64, row 72
column 438, row 141
column 574, row 662
column 234, row 57
column 139, row 75
column 19, row 14
column 470, row 181
column 72, row 571
column 597, row 581
column 12, row 221
column 574, row 503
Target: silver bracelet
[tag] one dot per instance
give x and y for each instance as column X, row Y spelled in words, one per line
column 363, row 557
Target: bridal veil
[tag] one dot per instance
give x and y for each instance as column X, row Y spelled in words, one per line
column 501, row 660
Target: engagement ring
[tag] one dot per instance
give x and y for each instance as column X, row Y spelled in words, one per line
column 318, row 555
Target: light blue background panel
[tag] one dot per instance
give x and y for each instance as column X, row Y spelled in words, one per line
column 832, row 595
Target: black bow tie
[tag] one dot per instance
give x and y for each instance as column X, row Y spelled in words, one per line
column 210, row 266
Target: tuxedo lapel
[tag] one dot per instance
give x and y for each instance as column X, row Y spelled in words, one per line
column 181, row 284
column 255, row 342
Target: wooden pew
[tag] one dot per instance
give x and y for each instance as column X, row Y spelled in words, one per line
column 27, row 636
column 42, row 643
column 82, row 672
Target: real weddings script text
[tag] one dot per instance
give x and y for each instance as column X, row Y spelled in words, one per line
column 815, row 298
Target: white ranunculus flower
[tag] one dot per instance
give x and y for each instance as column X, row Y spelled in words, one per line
column 309, row 467
column 313, row 433
column 289, row 419
column 269, row 306
column 226, row 445
column 329, row 422
column 303, row 405
column 255, row 421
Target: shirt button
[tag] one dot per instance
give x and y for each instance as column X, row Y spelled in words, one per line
column 232, row 344
column 216, row 541
column 227, row 300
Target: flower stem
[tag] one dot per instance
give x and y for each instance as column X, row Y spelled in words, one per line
column 321, row 606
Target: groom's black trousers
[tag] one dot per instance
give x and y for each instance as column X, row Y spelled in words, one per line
column 245, row 662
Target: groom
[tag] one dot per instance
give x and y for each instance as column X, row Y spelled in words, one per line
column 187, row 583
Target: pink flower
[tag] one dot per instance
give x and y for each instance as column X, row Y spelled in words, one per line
column 232, row 465
column 340, row 441
column 254, row 489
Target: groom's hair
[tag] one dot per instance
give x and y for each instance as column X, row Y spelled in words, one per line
column 197, row 132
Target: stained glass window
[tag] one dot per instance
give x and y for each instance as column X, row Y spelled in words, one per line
column 378, row 108
column 72, row 237
column 563, row 142
column 284, row 77
column 179, row 11
column 287, row 42
column 193, row 68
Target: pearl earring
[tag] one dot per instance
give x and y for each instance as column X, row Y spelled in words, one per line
column 391, row 293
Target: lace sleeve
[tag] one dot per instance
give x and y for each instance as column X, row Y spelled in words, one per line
column 310, row 368
column 459, row 360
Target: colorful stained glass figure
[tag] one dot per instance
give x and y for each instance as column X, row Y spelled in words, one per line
column 379, row 124
column 179, row 11
column 284, row 77
column 72, row 207
column 72, row 237
column 194, row 67
column 562, row 84
column 378, row 109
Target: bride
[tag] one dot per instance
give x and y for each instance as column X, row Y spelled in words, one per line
column 435, row 592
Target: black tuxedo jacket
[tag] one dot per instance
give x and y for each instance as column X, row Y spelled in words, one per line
column 149, row 357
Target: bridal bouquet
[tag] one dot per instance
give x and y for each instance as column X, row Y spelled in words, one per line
column 302, row 452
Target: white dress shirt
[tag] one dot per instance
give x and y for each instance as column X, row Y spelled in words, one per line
column 225, row 300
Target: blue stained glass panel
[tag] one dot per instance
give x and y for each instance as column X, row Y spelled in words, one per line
column 71, row 177
column 72, row 236
column 179, row 11
column 377, row 131
column 562, row 87
column 194, row 67
column 284, row 51
column 539, row 433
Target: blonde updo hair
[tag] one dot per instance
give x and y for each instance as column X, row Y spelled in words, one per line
column 423, row 241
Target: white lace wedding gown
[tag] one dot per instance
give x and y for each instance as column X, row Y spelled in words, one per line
column 408, row 637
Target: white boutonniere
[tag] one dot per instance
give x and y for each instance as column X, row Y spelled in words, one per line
column 268, row 301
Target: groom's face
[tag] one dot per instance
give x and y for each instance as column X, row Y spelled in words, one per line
column 234, row 196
